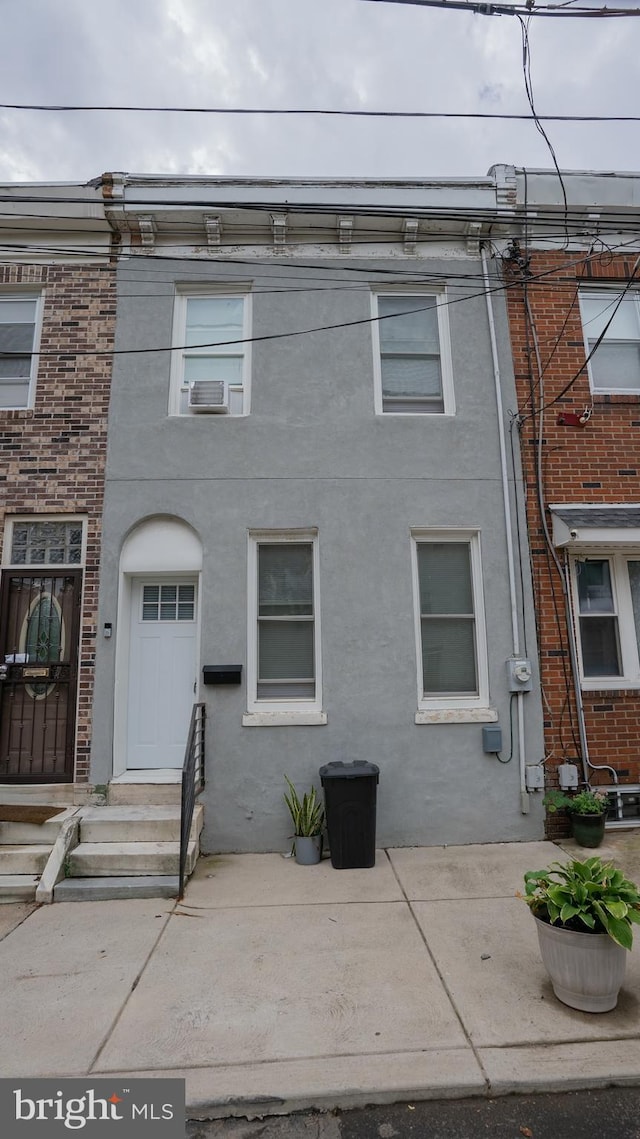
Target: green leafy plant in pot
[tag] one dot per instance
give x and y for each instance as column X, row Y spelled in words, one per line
column 307, row 815
column 587, row 810
column 584, row 913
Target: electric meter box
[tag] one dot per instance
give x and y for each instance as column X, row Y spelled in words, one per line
column 519, row 674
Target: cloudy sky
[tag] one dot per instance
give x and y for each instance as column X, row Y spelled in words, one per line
column 333, row 54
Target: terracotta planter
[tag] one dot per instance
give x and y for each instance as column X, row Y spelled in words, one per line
column 586, row 969
column 588, row 830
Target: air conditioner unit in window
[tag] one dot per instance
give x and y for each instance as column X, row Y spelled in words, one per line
column 208, row 395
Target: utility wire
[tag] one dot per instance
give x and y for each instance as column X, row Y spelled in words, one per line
column 131, row 264
column 499, row 215
column 145, row 270
column 528, row 86
column 490, row 9
column 509, row 218
column 445, row 302
column 599, row 339
column 174, row 110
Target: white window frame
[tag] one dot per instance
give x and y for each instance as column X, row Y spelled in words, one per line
column 476, row 705
column 612, row 296
column 47, row 567
column 444, row 337
column 177, row 385
column 623, row 612
column 36, row 295
column 263, row 711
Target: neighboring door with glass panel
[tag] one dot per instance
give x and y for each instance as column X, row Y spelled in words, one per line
column 162, row 671
column 39, row 630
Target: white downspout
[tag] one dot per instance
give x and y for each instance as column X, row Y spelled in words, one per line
column 515, row 629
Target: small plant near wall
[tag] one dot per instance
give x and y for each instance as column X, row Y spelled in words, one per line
column 587, row 810
column 585, row 802
column 307, row 815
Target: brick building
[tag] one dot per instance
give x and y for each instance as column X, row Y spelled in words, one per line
column 574, row 312
column 57, row 320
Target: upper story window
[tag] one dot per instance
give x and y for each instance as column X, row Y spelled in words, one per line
column 412, row 354
column 607, row 601
column 615, row 364
column 19, row 319
column 450, row 627
column 210, row 372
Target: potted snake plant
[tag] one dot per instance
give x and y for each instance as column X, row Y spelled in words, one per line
column 307, row 815
column 584, row 911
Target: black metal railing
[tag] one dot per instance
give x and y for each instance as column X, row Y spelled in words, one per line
column 192, row 785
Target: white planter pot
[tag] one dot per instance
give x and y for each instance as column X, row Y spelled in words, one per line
column 586, row 969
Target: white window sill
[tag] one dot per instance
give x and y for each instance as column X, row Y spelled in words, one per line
column 283, row 719
column 415, row 414
column 456, row 716
column 610, row 684
column 208, row 415
column 617, row 391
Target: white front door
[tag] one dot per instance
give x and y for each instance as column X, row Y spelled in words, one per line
column 162, row 671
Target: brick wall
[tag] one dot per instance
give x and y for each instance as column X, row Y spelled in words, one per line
column 598, row 463
column 52, row 458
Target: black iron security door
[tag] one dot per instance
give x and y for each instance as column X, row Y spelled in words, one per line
column 39, row 627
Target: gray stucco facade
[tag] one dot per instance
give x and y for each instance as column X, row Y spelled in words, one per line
column 313, row 455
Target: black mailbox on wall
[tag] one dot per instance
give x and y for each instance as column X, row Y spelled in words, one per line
column 222, row 673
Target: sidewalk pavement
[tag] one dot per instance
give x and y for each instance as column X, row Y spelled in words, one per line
column 275, row 987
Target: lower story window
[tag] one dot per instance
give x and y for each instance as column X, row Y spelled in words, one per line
column 283, row 651
column 607, row 596
column 43, row 541
column 450, row 622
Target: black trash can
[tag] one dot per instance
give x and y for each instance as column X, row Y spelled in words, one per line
column 350, row 806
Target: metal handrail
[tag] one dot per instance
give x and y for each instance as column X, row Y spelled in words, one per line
column 192, row 785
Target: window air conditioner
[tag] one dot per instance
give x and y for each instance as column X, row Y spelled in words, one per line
column 208, row 395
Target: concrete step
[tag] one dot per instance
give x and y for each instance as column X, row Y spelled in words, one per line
column 102, row 859
column 38, row 834
column 23, row 859
column 17, row 887
column 46, row 794
column 144, row 794
column 121, row 886
column 136, row 824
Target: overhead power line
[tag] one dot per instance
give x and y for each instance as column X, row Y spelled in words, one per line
column 149, row 263
column 515, row 215
column 175, row 110
column 499, row 287
column 525, row 9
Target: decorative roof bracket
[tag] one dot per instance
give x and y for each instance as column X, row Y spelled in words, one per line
column 410, row 230
column 279, row 229
column 147, row 227
column 213, row 226
column 474, row 233
column 345, row 233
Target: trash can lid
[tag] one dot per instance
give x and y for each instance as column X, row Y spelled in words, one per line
column 340, row 770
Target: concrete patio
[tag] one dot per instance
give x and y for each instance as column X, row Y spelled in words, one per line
column 275, row 987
